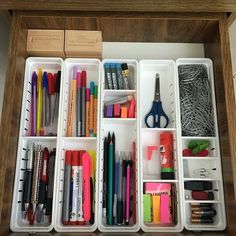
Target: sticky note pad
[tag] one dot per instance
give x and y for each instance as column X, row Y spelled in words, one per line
column 109, row 111
column 124, row 112
column 147, row 207
column 165, row 209
column 157, row 188
column 156, row 205
column 117, row 110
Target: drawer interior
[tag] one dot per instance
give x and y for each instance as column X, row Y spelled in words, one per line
column 205, row 35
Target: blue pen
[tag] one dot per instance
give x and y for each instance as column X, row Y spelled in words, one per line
column 116, row 188
column 45, row 100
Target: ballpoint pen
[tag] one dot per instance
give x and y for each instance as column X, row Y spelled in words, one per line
column 51, row 170
column 57, row 91
column 42, row 195
column 28, row 180
column 39, row 101
column 35, row 182
column 127, row 208
column 45, row 101
column 105, row 159
column 78, row 106
column 34, row 102
column 50, row 93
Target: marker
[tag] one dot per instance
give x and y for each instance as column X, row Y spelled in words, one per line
column 95, row 104
column 86, row 161
column 91, row 109
column 78, row 107
column 39, row 101
column 83, row 112
column 34, row 102
column 72, row 103
column 66, row 189
column 88, row 104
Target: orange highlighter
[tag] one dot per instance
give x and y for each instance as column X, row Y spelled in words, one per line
column 72, row 103
column 88, row 104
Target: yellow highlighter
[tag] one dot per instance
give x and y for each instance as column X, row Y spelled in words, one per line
column 39, row 100
column 71, row 113
column 156, row 204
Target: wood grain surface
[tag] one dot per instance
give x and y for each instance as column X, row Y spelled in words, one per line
column 123, row 5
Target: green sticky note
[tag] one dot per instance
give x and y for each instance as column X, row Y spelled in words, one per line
column 147, row 207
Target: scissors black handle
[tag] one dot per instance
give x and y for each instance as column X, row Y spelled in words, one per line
column 156, row 112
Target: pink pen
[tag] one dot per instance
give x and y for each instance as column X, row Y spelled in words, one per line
column 87, row 169
column 127, row 200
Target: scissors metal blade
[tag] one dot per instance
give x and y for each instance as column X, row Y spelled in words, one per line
column 157, row 88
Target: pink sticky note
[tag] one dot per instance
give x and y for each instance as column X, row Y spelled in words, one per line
column 157, row 188
column 165, row 209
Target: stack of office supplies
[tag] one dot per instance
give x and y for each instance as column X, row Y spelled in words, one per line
column 117, row 184
column 82, row 106
column 79, row 187
column 38, row 185
column 45, row 102
column 159, row 203
column 118, row 76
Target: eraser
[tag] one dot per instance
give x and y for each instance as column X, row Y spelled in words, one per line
column 147, row 207
column 117, row 110
column 165, row 209
column 109, row 111
column 156, row 208
column 124, row 112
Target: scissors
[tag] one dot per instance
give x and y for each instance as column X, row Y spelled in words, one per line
column 157, row 111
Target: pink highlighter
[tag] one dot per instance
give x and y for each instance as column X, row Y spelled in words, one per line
column 87, row 170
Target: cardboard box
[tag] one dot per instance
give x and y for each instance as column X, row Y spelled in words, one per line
column 82, row 43
column 45, row 43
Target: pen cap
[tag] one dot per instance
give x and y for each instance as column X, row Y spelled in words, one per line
column 124, row 66
column 83, row 78
column 45, row 81
column 34, row 78
column 92, row 88
column 96, row 91
column 68, row 158
column 79, row 79
column 75, row 68
column 58, row 82
column 87, row 94
column 75, row 158
column 50, row 83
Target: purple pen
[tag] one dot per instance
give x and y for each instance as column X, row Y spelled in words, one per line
column 34, row 102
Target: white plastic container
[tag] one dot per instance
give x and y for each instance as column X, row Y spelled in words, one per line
column 17, row 224
column 126, row 131
column 192, row 165
column 92, row 67
column 150, row 169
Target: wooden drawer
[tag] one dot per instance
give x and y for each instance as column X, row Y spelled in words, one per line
column 209, row 29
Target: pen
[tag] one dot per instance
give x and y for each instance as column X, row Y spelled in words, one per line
column 57, row 91
column 51, row 164
column 72, row 103
column 42, row 186
column 116, row 187
column 119, row 200
column 45, row 101
column 27, row 186
column 110, row 182
column 124, row 164
column 105, row 160
column 86, row 160
column 39, row 101
column 91, row 109
column 83, row 112
column 78, row 103
column 50, row 93
column 88, row 104
column 66, row 189
column 95, row 110
column 34, row 101
column 113, row 75
column 128, row 172
column 75, row 184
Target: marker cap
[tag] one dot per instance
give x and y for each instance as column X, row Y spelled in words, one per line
column 96, row 91
column 91, row 87
column 68, row 157
column 75, row 68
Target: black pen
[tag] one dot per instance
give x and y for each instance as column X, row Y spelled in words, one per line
column 104, row 177
column 27, row 185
